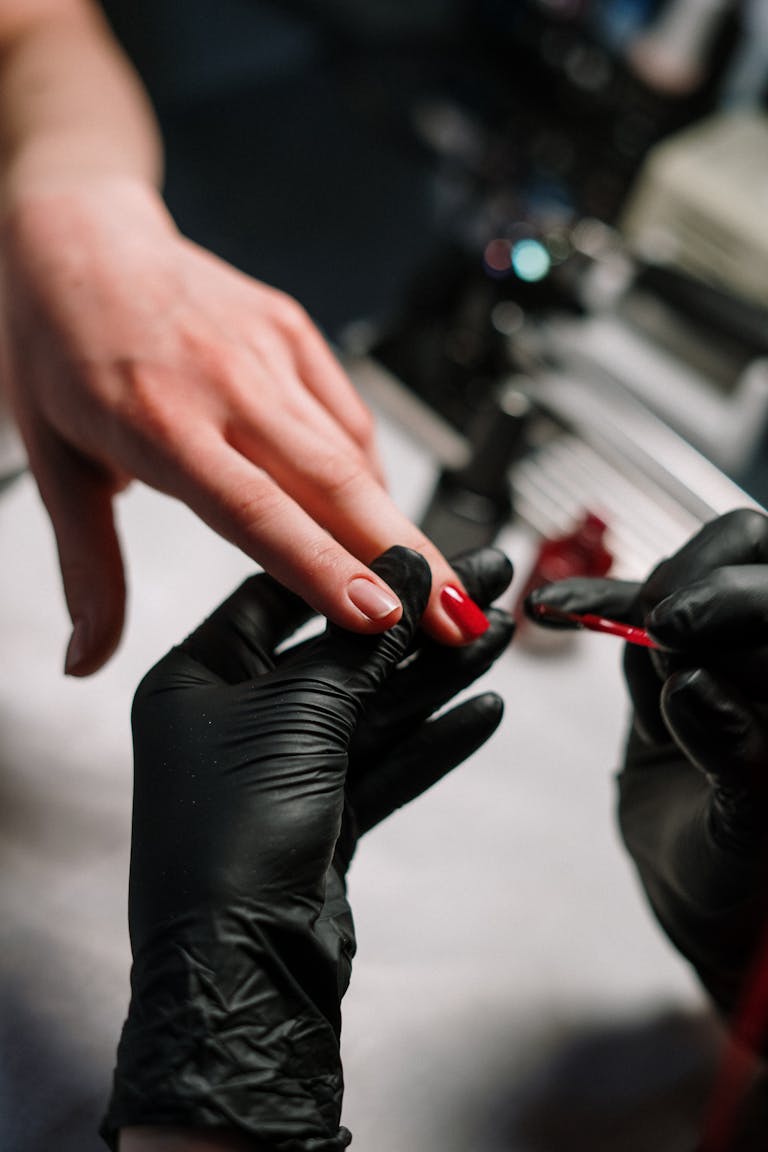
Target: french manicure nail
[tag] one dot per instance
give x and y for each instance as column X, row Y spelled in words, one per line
column 373, row 601
column 464, row 612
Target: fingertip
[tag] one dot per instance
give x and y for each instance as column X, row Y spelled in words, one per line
column 502, row 628
column 91, row 644
column 78, row 496
column 687, row 692
column 441, row 628
column 485, row 573
column 601, row 594
column 375, row 603
column 403, row 567
column 536, row 604
column 713, row 725
column 462, row 612
column 492, row 705
column 95, row 595
column 408, row 581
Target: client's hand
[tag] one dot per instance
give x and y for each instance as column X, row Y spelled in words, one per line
column 255, row 771
column 694, row 789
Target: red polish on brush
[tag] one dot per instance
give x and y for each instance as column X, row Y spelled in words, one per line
column 628, row 632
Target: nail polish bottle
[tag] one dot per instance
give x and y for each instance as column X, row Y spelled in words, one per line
column 470, row 505
column 580, row 552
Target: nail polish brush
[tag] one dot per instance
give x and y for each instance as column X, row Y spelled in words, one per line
column 594, row 623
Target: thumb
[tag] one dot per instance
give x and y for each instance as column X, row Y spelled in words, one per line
column 237, row 642
column 78, row 497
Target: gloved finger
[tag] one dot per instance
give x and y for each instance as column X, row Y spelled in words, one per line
column 644, row 684
column 485, row 573
column 615, row 599
column 725, row 738
column 425, row 683
column 238, row 640
column 717, row 729
column 738, row 537
column 356, row 664
column 725, row 610
column 618, row 600
column 423, row 759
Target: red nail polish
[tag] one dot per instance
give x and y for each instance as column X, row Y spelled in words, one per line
column 580, row 552
column 464, row 611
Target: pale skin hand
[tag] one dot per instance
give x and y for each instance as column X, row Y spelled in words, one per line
column 131, row 353
column 134, row 353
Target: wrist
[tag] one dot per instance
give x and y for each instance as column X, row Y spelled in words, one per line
column 73, row 107
column 69, row 164
column 181, row 1066
column 50, row 215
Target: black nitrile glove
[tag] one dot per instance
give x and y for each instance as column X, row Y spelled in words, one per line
column 693, row 803
column 254, row 774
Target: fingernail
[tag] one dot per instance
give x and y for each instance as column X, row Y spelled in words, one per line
column 77, row 648
column 372, row 600
column 464, row 612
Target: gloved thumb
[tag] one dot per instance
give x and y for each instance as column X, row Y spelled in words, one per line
column 716, row 728
column 78, row 497
column 359, row 664
column 237, row 642
column 720, row 733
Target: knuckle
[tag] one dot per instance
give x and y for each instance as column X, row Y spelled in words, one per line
column 257, row 506
column 362, row 425
column 418, row 542
column 753, row 526
column 324, row 560
column 142, row 406
column 717, row 583
column 290, row 313
column 339, row 476
column 218, row 363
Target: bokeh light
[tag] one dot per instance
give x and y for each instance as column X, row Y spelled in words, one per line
column 530, row 260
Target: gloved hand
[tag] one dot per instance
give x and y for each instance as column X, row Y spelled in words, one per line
column 693, row 804
column 254, row 774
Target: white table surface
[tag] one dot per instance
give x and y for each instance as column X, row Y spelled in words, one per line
column 510, row 985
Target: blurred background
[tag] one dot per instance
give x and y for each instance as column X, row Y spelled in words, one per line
column 536, row 232
column 561, row 194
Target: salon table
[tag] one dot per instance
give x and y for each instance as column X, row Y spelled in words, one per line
column 511, row 992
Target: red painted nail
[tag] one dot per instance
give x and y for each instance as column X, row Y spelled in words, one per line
column 464, row 612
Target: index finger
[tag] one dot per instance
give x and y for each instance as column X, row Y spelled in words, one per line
column 738, row 537
column 726, row 609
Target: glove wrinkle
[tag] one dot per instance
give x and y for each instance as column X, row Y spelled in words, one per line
column 224, row 1032
column 244, row 826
